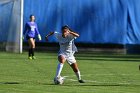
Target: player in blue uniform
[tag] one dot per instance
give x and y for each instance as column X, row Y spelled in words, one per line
column 31, row 30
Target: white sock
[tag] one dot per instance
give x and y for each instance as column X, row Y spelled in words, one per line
column 59, row 69
column 78, row 75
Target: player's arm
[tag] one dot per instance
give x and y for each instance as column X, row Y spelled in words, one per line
column 25, row 29
column 51, row 33
column 38, row 34
column 74, row 33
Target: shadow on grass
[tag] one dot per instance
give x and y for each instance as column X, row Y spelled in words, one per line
column 98, row 59
column 103, row 85
column 10, row 83
column 108, row 56
column 84, row 85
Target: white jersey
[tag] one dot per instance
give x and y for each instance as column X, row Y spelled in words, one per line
column 67, row 45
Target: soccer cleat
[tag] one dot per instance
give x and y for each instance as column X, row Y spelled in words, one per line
column 81, row 81
column 30, row 58
column 33, row 57
column 56, row 81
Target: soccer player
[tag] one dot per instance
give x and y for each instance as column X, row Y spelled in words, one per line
column 31, row 30
column 67, row 50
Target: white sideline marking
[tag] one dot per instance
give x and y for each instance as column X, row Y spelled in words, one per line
column 84, row 80
column 111, row 74
column 105, row 75
column 91, row 81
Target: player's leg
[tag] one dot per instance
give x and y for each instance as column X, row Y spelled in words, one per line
column 30, row 50
column 72, row 62
column 31, row 47
column 75, row 68
column 61, row 60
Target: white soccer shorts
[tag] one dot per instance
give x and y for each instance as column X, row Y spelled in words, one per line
column 69, row 58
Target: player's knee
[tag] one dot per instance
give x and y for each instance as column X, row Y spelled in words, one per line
column 62, row 62
column 61, row 59
column 34, row 46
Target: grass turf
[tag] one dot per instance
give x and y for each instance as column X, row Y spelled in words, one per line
column 103, row 73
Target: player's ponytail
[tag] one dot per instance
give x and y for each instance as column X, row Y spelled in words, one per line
column 31, row 15
column 66, row 27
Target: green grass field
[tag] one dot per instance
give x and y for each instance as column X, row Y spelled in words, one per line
column 103, row 73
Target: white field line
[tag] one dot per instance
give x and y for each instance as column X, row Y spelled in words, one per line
column 93, row 81
column 106, row 75
column 111, row 74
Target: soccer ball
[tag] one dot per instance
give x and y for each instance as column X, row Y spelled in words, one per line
column 59, row 80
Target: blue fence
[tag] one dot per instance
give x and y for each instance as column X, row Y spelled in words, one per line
column 97, row 21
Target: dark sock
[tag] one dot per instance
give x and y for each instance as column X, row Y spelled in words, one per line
column 33, row 51
column 29, row 52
